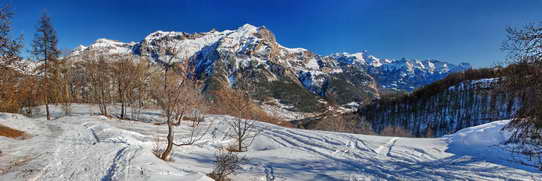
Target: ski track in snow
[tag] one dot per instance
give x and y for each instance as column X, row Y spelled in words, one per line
column 86, row 147
column 81, row 147
column 74, row 152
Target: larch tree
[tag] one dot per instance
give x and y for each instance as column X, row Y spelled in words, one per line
column 9, row 48
column 44, row 49
column 9, row 56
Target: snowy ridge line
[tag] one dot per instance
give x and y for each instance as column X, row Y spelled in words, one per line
column 251, row 45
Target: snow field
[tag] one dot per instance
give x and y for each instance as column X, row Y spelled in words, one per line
column 92, row 147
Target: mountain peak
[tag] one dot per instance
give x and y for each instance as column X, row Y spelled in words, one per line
column 247, row 27
column 105, row 40
column 160, row 34
column 80, row 47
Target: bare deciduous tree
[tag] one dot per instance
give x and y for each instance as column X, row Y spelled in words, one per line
column 139, row 89
column 176, row 95
column 523, row 79
column 524, row 44
column 243, row 127
column 129, row 74
column 98, row 75
column 64, row 77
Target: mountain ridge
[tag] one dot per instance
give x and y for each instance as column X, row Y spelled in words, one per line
column 251, row 55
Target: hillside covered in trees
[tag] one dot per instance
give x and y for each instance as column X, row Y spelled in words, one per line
column 458, row 101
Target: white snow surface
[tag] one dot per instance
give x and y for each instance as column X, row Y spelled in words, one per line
column 481, row 136
column 86, row 146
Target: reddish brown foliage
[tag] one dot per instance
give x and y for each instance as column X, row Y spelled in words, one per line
column 10, row 132
column 229, row 101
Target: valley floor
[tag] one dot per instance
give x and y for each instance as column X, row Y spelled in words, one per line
column 91, row 147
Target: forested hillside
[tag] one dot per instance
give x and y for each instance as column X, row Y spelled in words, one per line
column 460, row 100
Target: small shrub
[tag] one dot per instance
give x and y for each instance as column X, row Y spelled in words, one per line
column 226, row 164
column 158, row 146
column 67, row 108
column 233, row 148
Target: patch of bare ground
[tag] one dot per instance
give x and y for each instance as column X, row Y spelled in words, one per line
column 12, row 133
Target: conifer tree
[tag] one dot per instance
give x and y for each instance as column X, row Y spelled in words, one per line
column 9, row 48
column 44, row 49
column 9, row 57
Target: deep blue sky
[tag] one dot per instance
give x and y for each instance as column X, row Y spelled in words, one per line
column 452, row 30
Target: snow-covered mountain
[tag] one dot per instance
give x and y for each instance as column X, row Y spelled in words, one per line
column 251, row 55
column 402, row 74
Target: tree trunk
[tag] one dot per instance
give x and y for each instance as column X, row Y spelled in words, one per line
column 123, row 114
column 122, row 110
column 103, row 101
column 240, row 145
column 239, row 136
column 47, row 108
column 169, row 148
column 47, row 88
column 121, row 96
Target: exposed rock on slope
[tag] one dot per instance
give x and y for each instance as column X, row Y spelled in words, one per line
column 401, row 74
column 251, row 56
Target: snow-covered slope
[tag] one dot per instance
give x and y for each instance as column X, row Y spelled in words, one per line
column 89, row 147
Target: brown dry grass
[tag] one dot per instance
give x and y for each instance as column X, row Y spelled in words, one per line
column 395, row 131
column 11, row 133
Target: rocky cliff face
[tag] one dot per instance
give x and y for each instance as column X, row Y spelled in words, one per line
column 251, row 56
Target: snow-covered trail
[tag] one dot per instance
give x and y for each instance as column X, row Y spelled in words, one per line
column 80, row 153
column 88, row 147
column 82, row 147
column 72, row 150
